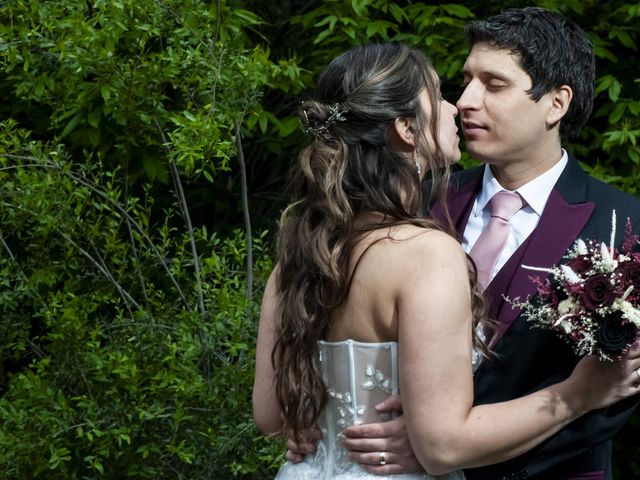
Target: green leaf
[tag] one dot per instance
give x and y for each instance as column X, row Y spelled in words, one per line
column 457, row 10
column 397, row 13
column 71, row 125
column 263, row 120
column 249, row 17
column 614, row 90
column 288, row 126
column 603, row 83
column 359, row 7
column 617, row 113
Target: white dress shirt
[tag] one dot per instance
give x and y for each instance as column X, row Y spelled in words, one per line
column 535, row 193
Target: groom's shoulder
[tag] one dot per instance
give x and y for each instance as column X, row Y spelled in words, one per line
column 607, row 190
column 610, row 197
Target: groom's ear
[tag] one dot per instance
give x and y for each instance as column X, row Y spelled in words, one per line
column 404, row 131
column 560, row 100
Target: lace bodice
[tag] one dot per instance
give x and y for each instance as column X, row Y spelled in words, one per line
column 358, row 376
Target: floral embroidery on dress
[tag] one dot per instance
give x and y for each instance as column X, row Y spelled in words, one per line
column 347, row 414
column 376, row 379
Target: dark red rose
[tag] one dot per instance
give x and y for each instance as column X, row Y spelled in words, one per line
column 630, row 273
column 597, row 292
column 580, row 264
column 615, row 334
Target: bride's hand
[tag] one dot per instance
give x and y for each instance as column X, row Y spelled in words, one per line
column 599, row 384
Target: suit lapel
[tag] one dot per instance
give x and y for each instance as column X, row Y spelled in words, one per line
column 564, row 217
column 559, row 226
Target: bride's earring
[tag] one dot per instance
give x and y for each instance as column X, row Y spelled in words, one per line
column 415, row 159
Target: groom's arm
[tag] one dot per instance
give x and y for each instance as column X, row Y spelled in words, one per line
column 364, row 443
column 588, row 432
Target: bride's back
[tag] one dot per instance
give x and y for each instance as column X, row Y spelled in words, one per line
column 377, row 268
column 359, row 360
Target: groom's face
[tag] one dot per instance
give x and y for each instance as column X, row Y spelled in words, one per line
column 500, row 121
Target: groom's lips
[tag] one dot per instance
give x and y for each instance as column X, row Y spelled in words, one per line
column 472, row 129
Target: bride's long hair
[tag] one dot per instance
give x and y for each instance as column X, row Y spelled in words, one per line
column 348, row 168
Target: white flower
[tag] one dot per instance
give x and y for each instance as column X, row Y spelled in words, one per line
column 627, row 292
column 568, row 305
column 581, row 247
column 564, row 323
column 608, row 263
column 613, row 230
column 628, row 311
column 569, row 274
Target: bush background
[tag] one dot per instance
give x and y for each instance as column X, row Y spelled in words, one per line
column 144, row 150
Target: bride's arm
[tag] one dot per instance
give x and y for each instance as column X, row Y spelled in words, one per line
column 444, row 428
column 266, row 409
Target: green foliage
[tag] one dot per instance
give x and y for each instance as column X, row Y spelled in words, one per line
column 139, row 84
column 120, row 358
column 611, row 138
column 127, row 336
column 438, row 29
column 111, row 367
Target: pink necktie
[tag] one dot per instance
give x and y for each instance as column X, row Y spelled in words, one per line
column 494, row 237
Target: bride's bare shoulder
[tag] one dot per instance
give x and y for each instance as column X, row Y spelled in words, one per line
column 406, row 248
column 424, row 241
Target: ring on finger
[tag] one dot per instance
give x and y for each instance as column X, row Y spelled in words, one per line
column 637, row 370
column 382, row 456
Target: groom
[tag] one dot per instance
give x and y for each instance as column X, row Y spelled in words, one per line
column 528, row 83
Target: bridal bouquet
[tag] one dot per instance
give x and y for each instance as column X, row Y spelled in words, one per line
column 593, row 300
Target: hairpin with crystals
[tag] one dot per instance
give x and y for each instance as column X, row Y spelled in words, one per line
column 336, row 114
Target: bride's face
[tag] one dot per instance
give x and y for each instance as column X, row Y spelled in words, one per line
column 448, row 138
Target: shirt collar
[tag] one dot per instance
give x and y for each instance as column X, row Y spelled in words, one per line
column 535, row 193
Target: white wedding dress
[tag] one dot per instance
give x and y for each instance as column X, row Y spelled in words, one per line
column 358, row 376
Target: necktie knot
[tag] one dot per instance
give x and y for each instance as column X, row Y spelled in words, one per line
column 505, row 204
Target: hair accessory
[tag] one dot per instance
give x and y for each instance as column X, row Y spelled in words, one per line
column 336, row 114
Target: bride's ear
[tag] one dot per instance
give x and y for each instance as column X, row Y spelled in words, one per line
column 404, row 130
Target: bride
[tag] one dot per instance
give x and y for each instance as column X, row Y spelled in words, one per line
column 368, row 298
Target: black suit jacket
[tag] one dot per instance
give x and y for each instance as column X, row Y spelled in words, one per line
column 527, row 358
